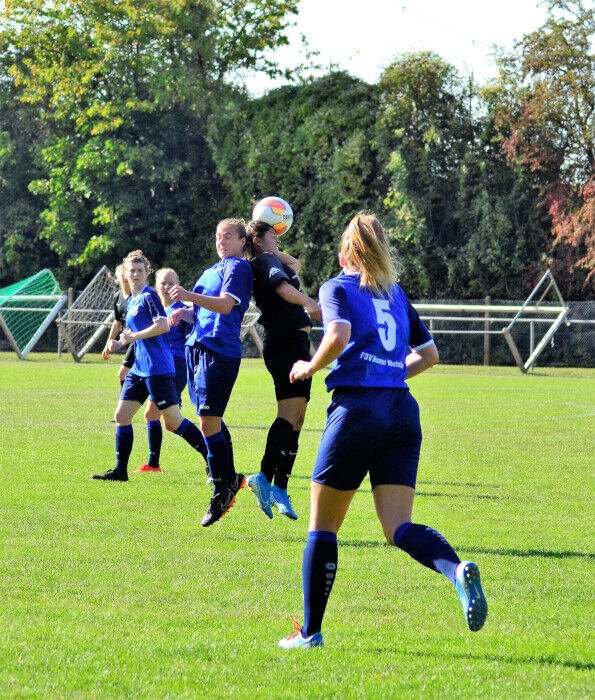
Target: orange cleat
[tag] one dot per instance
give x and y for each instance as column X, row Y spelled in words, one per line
column 147, row 468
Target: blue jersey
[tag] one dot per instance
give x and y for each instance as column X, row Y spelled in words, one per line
column 178, row 334
column 383, row 331
column 221, row 332
column 152, row 356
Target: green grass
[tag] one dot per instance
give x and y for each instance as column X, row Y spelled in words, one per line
column 115, row 590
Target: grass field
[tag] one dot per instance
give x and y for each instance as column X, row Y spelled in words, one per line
column 114, row 590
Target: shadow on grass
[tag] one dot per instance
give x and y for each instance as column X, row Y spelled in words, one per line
column 513, row 659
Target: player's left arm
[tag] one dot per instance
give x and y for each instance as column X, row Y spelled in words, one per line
column 292, row 295
column 289, row 260
column 421, row 359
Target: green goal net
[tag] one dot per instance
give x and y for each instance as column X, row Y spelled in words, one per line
column 27, row 308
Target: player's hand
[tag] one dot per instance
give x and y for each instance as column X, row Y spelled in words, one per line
column 300, row 370
column 177, row 293
column 175, row 317
column 313, row 310
column 126, row 337
column 106, row 352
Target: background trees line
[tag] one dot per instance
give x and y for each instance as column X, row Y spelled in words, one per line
column 125, row 125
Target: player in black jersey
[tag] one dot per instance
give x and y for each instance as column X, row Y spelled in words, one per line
column 285, row 317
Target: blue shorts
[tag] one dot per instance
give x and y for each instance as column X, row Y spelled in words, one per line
column 211, row 377
column 369, row 430
column 159, row 388
column 280, row 353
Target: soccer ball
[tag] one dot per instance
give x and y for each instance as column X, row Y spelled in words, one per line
column 275, row 212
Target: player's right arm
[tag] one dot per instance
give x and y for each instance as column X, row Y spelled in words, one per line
column 113, row 334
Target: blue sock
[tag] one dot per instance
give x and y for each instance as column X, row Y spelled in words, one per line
column 217, row 459
column 193, row 436
column 428, row 547
column 319, row 568
column 155, row 437
column 124, row 440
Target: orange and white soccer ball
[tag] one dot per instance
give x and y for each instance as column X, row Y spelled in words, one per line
column 275, row 212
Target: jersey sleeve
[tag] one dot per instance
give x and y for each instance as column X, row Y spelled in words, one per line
column 333, row 301
column 237, row 279
column 419, row 335
column 154, row 306
column 269, row 269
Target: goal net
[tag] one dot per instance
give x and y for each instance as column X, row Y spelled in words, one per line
column 537, row 308
column 250, row 328
column 90, row 315
column 27, row 308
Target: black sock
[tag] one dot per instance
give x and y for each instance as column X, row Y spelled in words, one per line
column 279, row 442
column 286, row 466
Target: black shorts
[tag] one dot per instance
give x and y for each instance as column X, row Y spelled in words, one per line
column 128, row 360
column 280, row 352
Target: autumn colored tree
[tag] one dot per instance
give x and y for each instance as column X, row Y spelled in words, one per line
column 546, row 124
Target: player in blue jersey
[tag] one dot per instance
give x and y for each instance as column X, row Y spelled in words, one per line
column 165, row 279
column 285, row 317
column 220, row 297
column 375, row 341
column 152, row 374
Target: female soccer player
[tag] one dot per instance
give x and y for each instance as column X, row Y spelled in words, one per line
column 285, row 313
column 153, row 371
column 165, row 279
column 220, row 297
column 375, row 340
column 120, row 308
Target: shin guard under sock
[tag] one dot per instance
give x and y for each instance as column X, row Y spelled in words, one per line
column 124, row 440
column 287, row 461
column 217, row 459
column 155, row 438
column 319, row 567
column 279, row 441
column 193, row 436
column 428, row 547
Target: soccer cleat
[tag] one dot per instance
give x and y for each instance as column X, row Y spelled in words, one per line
column 475, row 605
column 147, row 468
column 112, row 475
column 237, row 483
column 282, row 501
column 261, row 488
column 297, row 639
column 218, row 507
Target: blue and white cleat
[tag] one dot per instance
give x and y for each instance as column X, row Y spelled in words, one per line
column 297, row 639
column 475, row 605
column 261, row 488
column 282, row 501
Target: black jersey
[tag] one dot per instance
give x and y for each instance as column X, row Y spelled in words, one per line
column 120, row 307
column 277, row 315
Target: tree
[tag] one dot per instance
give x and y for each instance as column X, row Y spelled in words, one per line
column 125, row 90
column 312, row 144
column 546, row 123
column 425, row 129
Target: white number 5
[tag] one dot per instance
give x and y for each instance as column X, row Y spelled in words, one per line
column 387, row 327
